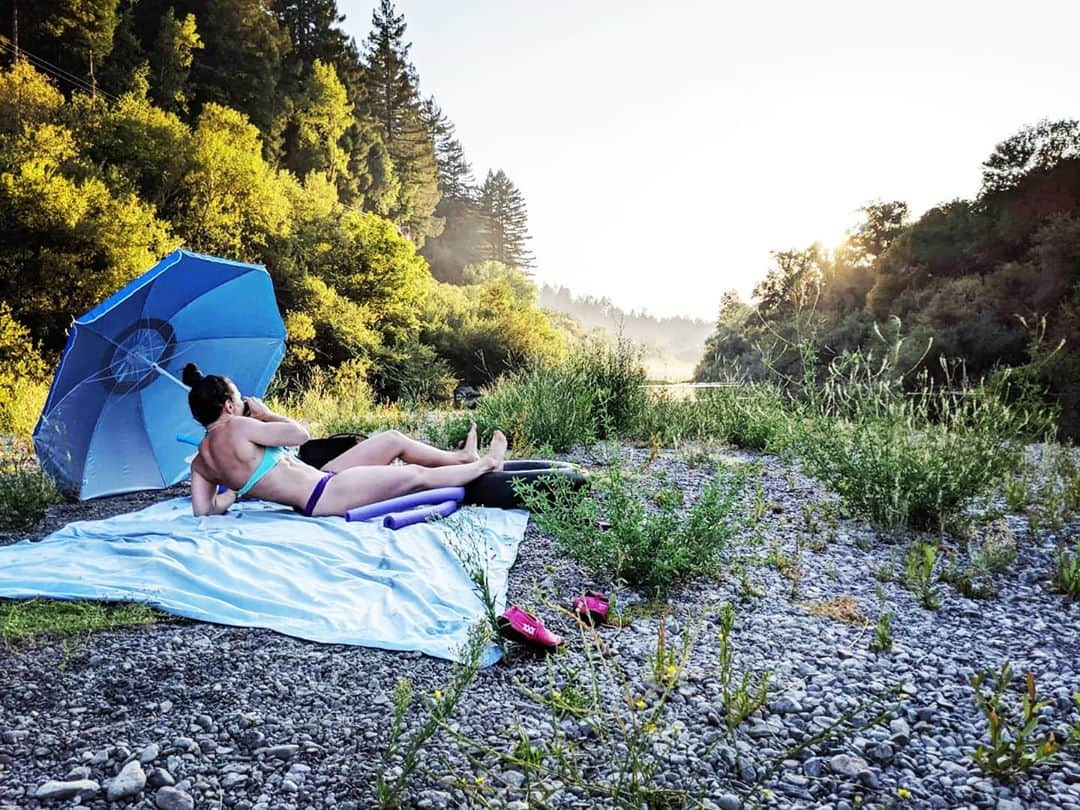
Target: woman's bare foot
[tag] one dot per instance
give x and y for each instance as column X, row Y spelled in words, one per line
column 497, row 450
column 469, row 452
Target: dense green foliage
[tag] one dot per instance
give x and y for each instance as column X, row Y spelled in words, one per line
column 650, row 547
column 994, row 281
column 254, row 130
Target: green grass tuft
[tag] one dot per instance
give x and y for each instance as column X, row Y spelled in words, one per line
column 25, row 620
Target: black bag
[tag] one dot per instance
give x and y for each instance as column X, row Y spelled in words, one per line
column 318, row 452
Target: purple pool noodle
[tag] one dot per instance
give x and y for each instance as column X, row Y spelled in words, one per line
column 404, row 502
column 399, row 520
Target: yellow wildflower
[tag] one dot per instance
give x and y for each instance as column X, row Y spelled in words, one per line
column 639, row 703
column 903, row 793
column 438, row 694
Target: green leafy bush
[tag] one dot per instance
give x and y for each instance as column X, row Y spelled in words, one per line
column 914, row 461
column 25, row 490
column 613, row 531
column 615, row 378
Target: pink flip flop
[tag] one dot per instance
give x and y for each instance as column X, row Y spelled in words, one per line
column 518, row 624
column 593, row 605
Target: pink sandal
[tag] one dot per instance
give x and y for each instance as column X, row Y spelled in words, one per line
column 593, row 606
column 517, row 624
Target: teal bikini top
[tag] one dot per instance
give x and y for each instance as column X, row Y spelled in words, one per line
column 271, row 456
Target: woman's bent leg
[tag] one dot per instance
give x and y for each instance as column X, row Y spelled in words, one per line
column 385, row 447
column 359, row 486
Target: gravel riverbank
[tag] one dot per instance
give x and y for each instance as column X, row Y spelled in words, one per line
column 182, row 714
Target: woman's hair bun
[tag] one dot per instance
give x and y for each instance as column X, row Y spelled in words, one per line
column 191, row 374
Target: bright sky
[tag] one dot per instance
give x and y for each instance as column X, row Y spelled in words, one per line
column 664, row 149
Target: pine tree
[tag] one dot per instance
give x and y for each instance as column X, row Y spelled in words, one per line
column 171, row 58
column 391, row 82
column 456, row 179
column 392, row 99
column 73, row 35
column 507, row 221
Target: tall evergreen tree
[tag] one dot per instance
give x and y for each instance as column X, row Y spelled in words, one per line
column 240, row 64
column 456, row 179
column 392, row 100
column 73, row 35
column 171, row 58
column 507, row 221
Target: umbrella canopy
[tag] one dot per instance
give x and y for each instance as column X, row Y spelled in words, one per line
column 116, row 404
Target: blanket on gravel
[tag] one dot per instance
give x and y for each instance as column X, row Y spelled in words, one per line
column 262, row 565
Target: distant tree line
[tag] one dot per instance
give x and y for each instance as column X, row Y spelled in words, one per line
column 676, row 339
column 255, row 130
column 990, row 281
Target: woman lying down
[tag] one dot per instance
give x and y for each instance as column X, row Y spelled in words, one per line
column 247, row 454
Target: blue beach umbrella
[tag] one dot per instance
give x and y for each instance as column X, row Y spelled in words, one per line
column 117, row 403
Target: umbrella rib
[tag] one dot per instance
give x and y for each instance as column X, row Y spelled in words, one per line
column 137, row 356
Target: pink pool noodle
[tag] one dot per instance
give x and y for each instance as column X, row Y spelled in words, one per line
column 399, row 520
column 402, row 503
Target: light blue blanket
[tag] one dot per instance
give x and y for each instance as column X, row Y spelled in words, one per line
column 261, row 565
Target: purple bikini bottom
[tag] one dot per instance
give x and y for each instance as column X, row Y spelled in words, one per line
column 316, row 493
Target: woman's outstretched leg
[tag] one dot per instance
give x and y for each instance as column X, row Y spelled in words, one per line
column 383, row 448
column 359, row 486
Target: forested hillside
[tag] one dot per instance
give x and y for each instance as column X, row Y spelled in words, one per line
column 672, row 346
column 989, row 281
column 255, row 130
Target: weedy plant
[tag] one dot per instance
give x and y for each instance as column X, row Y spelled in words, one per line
column 968, row 581
column 920, row 578
column 748, row 415
column 1067, row 571
column 650, row 547
column 25, row 491
column 625, row 719
column 744, row 695
column 883, row 633
column 914, row 460
column 402, row 757
column 1015, row 744
column 663, row 661
column 994, row 550
column 469, row 542
column 1057, row 496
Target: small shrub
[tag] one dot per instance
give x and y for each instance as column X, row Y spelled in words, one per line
column 883, row 633
column 752, row 416
column 1067, row 572
column 25, row 490
column 1014, row 746
column 615, row 377
column 1056, row 499
column 914, row 461
column 919, row 573
column 648, row 548
column 546, row 404
column 995, row 549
